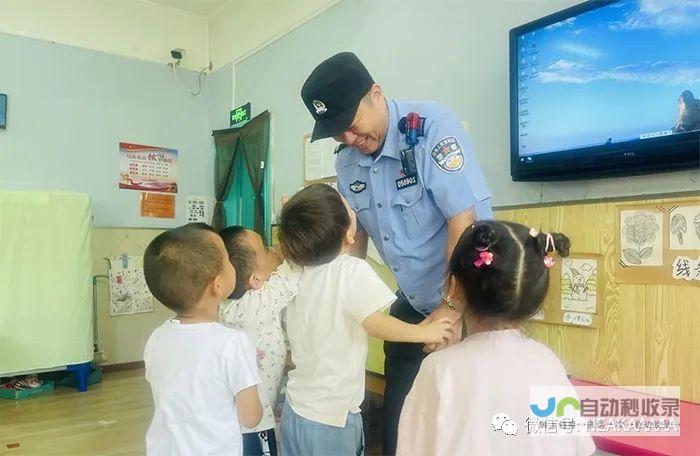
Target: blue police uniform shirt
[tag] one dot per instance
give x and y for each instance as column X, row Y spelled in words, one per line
column 405, row 217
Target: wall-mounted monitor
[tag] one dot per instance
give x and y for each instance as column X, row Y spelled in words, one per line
column 605, row 88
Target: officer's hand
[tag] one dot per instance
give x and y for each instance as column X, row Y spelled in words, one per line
column 455, row 336
column 437, row 331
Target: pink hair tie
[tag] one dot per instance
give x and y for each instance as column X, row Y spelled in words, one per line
column 485, row 259
column 548, row 260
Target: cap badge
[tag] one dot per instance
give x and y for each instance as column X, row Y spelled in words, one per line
column 319, row 106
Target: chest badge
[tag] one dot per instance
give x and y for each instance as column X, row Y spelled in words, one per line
column 358, row 186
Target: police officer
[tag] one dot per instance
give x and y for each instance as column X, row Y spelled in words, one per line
column 413, row 200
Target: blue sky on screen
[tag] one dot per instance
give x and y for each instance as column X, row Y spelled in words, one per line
column 614, row 72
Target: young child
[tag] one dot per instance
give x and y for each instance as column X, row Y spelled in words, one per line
column 202, row 374
column 263, row 289
column 499, row 277
column 340, row 301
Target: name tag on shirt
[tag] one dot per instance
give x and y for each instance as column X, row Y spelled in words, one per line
column 405, row 182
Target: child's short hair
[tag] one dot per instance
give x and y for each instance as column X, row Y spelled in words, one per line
column 312, row 225
column 513, row 282
column 180, row 263
column 241, row 256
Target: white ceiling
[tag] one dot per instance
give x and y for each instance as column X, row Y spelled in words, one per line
column 201, row 7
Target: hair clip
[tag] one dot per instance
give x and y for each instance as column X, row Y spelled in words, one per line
column 534, row 233
column 549, row 261
column 485, row 259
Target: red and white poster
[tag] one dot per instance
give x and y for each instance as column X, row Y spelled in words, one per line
column 147, row 168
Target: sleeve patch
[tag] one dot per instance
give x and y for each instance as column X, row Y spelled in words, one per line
column 448, row 155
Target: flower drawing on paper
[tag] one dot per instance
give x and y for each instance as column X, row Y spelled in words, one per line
column 640, row 229
column 679, row 226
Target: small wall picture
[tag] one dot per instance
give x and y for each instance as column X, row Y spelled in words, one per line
column 147, row 168
column 128, row 292
column 641, row 236
column 199, row 209
column 684, row 228
column 579, row 285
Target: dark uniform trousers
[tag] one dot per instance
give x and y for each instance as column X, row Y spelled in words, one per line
column 400, row 369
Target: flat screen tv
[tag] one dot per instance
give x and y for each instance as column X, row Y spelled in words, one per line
column 606, row 88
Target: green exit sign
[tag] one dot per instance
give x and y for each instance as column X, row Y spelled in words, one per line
column 240, row 114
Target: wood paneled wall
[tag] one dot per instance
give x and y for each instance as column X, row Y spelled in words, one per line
column 649, row 334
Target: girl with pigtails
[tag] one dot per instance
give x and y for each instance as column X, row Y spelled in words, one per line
column 474, row 397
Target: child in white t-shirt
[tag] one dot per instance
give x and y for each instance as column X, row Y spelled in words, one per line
column 203, row 375
column 474, row 397
column 341, row 300
column 264, row 288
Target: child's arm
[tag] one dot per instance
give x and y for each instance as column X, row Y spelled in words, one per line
column 243, row 378
column 386, row 327
column 249, row 407
column 366, row 296
column 283, row 286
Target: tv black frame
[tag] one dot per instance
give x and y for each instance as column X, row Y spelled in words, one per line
column 608, row 160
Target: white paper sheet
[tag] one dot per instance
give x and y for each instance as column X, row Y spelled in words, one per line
column 684, row 268
column 641, row 235
column 578, row 318
column 320, row 158
column 199, row 209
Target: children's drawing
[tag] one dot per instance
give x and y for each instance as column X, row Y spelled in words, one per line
column 641, row 237
column 128, row 292
column 679, row 226
column 579, row 285
column 684, row 228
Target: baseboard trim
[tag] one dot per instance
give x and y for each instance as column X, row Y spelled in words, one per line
column 123, row 367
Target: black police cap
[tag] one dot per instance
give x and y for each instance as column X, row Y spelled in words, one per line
column 333, row 91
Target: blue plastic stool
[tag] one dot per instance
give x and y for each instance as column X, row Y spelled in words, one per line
column 82, row 371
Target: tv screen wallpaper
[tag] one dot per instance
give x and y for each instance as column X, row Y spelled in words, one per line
column 625, row 71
